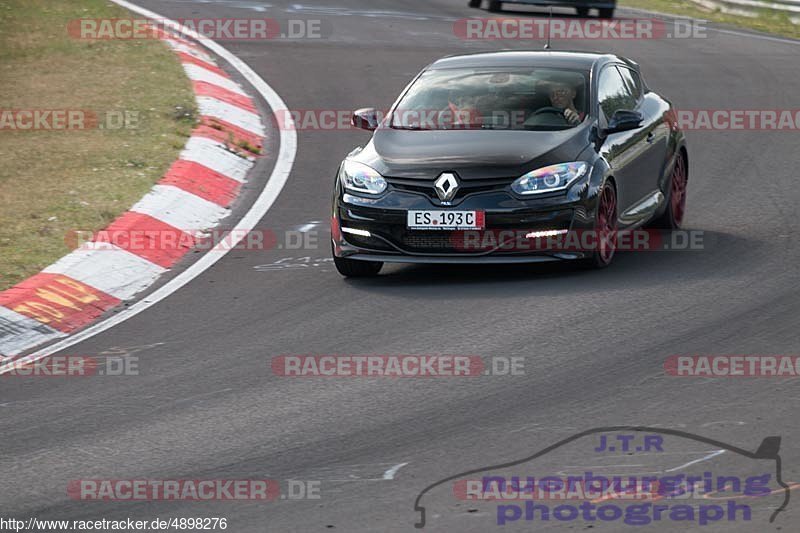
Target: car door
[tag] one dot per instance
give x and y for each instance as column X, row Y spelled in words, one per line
column 654, row 128
column 623, row 150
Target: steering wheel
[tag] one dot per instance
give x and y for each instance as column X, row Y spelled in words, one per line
column 549, row 109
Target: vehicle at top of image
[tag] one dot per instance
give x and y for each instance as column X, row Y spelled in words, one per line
column 605, row 9
column 484, row 154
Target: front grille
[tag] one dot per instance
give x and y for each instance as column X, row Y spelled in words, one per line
column 426, row 187
column 446, row 241
column 439, row 240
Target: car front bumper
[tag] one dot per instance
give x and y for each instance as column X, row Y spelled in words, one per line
column 597, row 4
column 375, row 229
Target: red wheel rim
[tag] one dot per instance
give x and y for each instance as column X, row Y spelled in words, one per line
column 678, row 192
column 607, row 224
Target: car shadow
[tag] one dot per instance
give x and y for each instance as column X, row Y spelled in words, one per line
column 534, row 13
column 647, row 268
column 543, row 12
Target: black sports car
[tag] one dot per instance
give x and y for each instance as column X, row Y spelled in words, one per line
column 497, row 157
column 605, row 8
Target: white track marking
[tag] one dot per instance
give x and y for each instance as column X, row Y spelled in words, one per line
column 129, row 350
column 276, row 182
column 713, row 453
column 723, row 422
column 215, row 156
column 674, row 16
column 180, row 209
column 197, row 73
column 260, row 6
column 369, row 13
column 230, row 113
column 690, row 463
column 192, row 51
column 22, row 333
column 108, row 268
column 389, row 474
column 308, row 227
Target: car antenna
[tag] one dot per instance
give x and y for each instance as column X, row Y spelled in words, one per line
column 549, row 21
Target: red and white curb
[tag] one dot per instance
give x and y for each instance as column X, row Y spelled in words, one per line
column 194, row 195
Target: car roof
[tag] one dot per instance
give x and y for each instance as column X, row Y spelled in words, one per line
column 528, row 58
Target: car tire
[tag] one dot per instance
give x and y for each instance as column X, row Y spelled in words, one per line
column 605, row 224
column 672, row 218
column 582, row 12
column 606, row 12
column 474, row 3
column 495, row 6
column 352, row 268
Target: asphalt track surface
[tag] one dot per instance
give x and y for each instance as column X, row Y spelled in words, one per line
column 206, row 404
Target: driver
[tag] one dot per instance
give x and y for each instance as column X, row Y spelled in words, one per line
column 559, row 91
column 562, row 96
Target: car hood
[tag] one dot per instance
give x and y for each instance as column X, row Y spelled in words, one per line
column 473, row 154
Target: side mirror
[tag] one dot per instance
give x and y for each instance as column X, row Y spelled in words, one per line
column 366, row 119
column 624, row 120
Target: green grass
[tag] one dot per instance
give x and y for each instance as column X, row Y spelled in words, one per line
column 767, row 21
column 52, row 182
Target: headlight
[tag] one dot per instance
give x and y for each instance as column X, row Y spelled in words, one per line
column 549, row 179
column 357, row 177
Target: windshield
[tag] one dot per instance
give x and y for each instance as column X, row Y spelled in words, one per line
column 504, row 99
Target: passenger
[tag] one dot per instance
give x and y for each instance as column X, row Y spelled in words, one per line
column 464, row 110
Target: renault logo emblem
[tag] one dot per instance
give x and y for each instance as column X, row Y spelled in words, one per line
column 446, row 186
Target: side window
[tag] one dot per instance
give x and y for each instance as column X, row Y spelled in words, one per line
column 633, row 81
column 612, row 93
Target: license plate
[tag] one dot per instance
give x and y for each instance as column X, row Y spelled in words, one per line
column 445, row 220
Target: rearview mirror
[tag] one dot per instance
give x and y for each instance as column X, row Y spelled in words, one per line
column 366, row 118
column 624, row 120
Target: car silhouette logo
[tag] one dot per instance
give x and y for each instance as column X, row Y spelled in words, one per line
column 768, row 450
